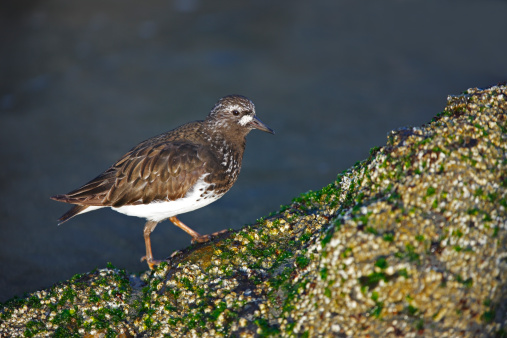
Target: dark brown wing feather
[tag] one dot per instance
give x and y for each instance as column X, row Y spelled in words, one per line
column 175, row 166
column 90, row 190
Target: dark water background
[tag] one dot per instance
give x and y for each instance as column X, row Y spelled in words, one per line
column 84, row 81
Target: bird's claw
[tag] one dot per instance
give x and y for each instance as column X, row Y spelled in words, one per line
column 206, row 238
column 152, row 263
column 201, row 239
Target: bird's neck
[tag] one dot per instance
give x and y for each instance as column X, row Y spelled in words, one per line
column 224, row 141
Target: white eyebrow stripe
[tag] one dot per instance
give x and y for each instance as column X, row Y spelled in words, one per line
column 236, row 107
column 245, row 119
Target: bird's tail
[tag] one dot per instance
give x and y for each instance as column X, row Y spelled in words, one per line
column 75, row 210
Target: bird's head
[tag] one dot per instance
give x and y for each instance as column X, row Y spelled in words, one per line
column 236, row 112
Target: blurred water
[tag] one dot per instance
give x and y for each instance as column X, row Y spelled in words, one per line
column 84, row 82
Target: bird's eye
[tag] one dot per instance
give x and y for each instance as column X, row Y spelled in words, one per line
column 235, row 112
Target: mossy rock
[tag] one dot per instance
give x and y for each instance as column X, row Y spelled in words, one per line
column 410, row 241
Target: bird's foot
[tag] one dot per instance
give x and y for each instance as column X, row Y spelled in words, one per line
column 201, row 239
column 206, row 238
column 152, row 263
column 175, row 253
column 219, row 232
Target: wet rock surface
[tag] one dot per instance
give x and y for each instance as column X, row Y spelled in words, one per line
column 411, row 241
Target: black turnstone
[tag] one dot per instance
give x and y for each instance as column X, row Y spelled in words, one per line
column 175, row 172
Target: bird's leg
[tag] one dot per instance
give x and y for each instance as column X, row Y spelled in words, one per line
column 196, row 237
column 148, row 228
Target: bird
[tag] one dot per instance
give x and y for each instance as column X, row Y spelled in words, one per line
column 173, row 173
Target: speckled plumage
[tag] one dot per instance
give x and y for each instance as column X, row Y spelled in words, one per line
column 157, row 178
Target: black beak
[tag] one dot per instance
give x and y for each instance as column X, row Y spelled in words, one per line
column 257, row 124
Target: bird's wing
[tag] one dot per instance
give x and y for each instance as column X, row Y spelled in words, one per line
column 164, row 171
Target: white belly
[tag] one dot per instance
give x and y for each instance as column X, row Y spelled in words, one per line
column 160, row 210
